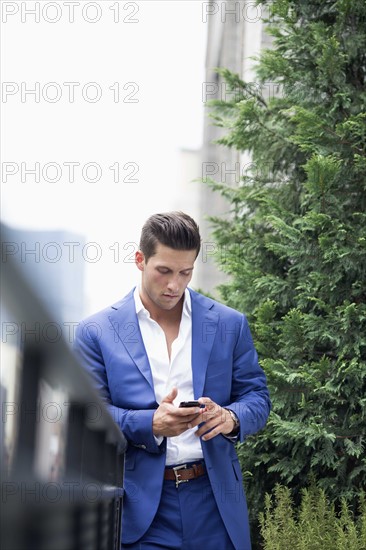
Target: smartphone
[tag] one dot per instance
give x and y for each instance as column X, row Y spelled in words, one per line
column 190, row 404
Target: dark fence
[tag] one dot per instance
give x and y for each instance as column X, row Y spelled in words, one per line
column 62, row 456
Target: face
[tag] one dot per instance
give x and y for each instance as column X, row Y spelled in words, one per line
column 165, row 277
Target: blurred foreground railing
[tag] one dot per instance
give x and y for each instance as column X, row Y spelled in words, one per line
column 62, row 456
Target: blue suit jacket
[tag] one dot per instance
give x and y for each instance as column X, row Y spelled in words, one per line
column 224, row 367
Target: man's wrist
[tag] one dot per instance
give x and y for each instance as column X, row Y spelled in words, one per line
column 235, row 419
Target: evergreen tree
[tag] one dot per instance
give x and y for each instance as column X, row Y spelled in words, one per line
column 295, row 244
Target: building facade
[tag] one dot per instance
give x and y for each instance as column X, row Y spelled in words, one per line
column 236, row 33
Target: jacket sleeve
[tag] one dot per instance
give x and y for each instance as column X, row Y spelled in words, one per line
column 249, row 393
column 136, row 425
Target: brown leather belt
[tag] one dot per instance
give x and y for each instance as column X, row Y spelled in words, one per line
column 182, row 473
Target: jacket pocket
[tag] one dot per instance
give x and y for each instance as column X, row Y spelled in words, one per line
column 237, row 470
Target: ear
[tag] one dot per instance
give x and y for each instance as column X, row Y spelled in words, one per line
column 140, row 260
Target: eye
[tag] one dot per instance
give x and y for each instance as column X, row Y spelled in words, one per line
column 163, row 271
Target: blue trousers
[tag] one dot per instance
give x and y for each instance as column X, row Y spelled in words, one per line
column 187, row 519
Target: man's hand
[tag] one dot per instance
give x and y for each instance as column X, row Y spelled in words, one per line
column 170, row 420
column 215, row 418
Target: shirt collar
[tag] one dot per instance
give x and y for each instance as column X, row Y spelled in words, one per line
column 141, row 310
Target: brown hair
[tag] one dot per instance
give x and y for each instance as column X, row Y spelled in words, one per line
column 174, row 229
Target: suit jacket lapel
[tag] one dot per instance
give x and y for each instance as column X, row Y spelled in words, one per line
column 204, row 327
column 125, row 323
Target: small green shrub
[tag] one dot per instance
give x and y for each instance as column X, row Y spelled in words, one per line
column 315, row 525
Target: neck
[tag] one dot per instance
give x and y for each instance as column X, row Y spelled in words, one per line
column 163, row 315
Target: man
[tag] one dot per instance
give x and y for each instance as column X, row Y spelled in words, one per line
column 161, row 345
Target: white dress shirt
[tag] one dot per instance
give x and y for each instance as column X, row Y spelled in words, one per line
column 167, row 374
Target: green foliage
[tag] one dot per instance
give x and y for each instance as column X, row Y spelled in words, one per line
column 296, row 244
column 314, row 525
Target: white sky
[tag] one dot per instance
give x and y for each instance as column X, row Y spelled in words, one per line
column 161, row 55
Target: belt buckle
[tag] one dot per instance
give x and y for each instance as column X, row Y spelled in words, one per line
column 177, row 474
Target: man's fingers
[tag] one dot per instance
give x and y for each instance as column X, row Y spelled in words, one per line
column 206, row 427
column 214, row 420
column 188, row 413
column 171, row 396
column 210, row 406
column 206, row 401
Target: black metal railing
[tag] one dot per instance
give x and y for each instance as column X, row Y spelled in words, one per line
column 62, row 456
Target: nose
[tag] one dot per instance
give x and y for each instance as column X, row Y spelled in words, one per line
column 173, row 285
